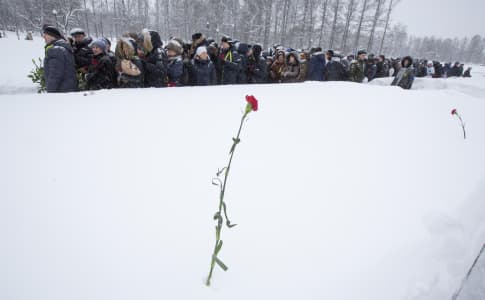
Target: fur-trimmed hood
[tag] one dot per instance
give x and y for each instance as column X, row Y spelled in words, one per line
column 125, row 48
column 150, row 40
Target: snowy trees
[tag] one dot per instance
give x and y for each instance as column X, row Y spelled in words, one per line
column 344, row 25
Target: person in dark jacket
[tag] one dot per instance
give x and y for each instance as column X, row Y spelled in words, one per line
column 468, row 72
column 257, row 69
column 204, row 71
column 357, row 67
column 370, row 68
column 112, row 57
column 154, row 59
column 405, row 77
column 100, row 72
column 421, row 70
column 228, row 62
column 59, row 65
column 244, row 51
column 128, row 65
column 81, row 49
column 316, row 65
column 438, row 69
column 175, row 68
column 382, row 67
column 334, row 70
column 455, row 70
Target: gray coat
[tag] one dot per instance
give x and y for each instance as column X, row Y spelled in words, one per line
column 59, row 68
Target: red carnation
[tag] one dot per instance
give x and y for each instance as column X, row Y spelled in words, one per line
column 453, row 112
column 253, row 102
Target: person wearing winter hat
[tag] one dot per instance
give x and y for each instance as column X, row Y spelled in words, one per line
column 82, row 51
column 405, row 76
column 257, row 69
column 198, row 40
column 204, row 72
column 154, row 59
column 129, row 67
column 112, row 57
column 59, row 66
column 175, row 67
column 228, row 62
column 101, row 70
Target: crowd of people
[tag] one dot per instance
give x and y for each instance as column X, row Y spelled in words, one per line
column 144, row 60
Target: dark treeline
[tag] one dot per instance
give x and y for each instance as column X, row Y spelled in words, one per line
column 343, row 25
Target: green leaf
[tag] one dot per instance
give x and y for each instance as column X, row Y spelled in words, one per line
column 218, row 248
column 220, row 263
column 228, row 224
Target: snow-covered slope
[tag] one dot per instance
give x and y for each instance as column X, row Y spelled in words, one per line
column 341, row 191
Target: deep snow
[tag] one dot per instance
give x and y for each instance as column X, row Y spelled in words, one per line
column 341, row 190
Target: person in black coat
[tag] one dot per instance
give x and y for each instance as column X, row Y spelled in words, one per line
column 438, row 69
column 228, row 63
column 154, row 59
column 382, row 67
column 370, row 68
column 244, row 52
column 316, row 66
column 59, row 66
column 81, row 49
column 203, row 70
column 112, row 57
column 334, row 70
column 257, row 68
column 100, row 72
column 175, row 68
column 467, row 73
column 455, row 70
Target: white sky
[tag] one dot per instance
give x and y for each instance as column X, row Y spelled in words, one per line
column 442, row 18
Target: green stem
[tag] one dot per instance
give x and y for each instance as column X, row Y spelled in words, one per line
column 221, row 199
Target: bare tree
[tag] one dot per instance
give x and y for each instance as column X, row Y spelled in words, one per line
column 348, row 19
column 374, row 24
column 334, row 26
column 322, row 24
column 361, row 21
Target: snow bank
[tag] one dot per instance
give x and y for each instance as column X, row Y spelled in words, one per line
column 17, row 63
column 341, row 191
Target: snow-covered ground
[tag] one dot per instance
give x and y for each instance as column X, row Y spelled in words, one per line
column 341, row 191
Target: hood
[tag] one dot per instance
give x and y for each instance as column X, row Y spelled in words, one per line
column 409, row 58
column 125, row 49
column 297, row 59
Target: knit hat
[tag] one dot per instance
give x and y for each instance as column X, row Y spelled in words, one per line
column 330, row 52
column 99, row 44
column 201, row 50
column 52, row 31
column 361, row 52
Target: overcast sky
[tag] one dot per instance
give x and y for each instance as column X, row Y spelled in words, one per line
column 443, row 18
